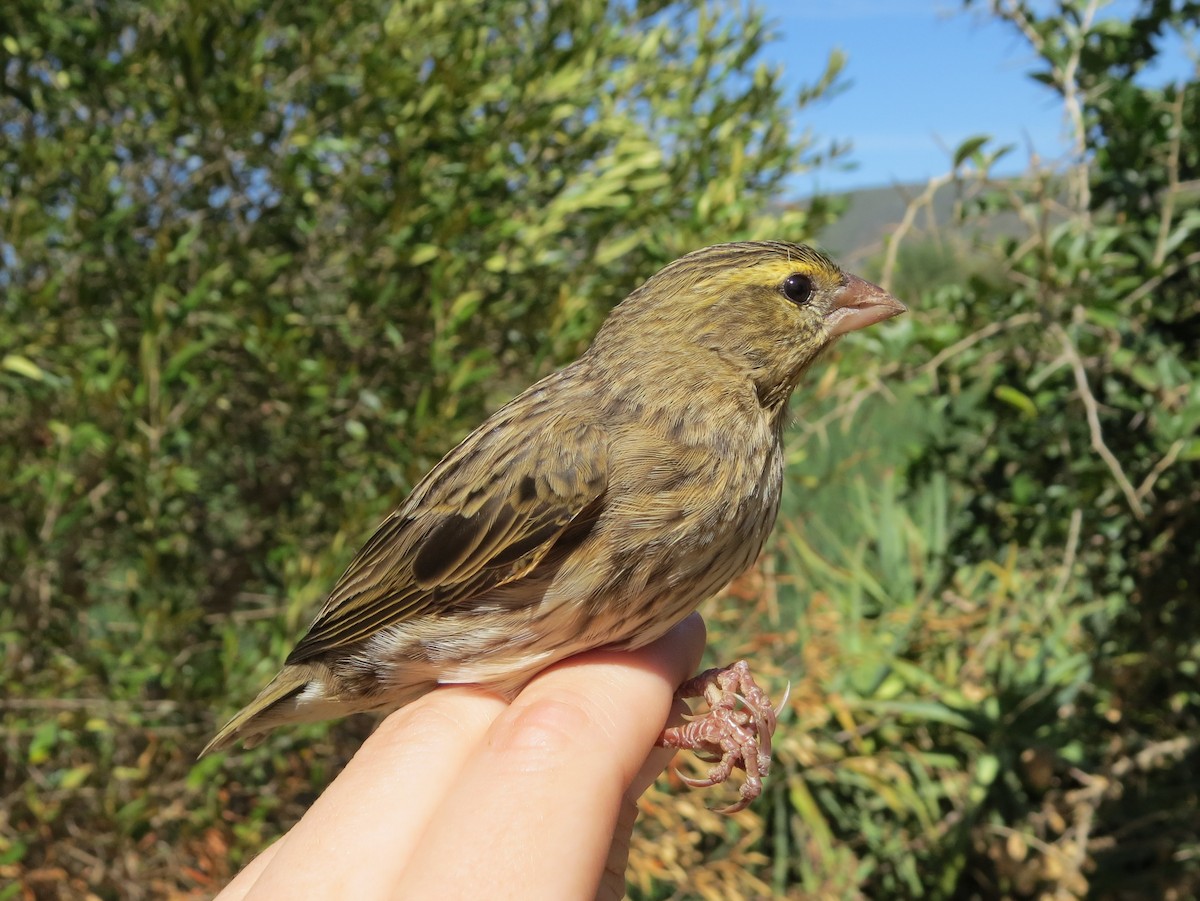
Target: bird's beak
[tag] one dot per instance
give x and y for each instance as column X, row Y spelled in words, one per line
column 860, row 304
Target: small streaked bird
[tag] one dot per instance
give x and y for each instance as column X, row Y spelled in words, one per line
column 596, row 509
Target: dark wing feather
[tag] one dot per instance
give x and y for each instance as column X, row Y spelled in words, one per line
column 485, row 516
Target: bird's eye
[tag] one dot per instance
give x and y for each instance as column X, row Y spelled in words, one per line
column 798, row 288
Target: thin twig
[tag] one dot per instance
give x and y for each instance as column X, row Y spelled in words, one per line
column 1064, row 574
column 1065, row 78
column 846, row 408
column 1083, row 183
column 1152, row 756
column 1092, row 409
column 1160, row 467
column 1151, row 283
column 1017, row 205
column 910, row 214
column 1029, row 838
column 974, row 338
column 1172, row 190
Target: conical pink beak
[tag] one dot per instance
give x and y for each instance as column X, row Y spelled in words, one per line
column 860, row 304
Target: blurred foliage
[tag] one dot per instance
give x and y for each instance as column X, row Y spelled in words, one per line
column 260, row 266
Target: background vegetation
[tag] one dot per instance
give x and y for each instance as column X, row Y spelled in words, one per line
column 260, row 266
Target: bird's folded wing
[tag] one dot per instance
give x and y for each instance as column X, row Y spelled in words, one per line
column 485, row 516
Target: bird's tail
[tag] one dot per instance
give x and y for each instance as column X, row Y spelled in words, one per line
column 308, row 692
column 276, row 704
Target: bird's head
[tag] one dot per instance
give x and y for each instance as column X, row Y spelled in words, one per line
column 766, row 308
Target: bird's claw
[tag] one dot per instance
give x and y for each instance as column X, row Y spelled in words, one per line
column 693, row 782
column 734, row 734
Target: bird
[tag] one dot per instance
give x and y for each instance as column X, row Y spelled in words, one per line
column 598, row 508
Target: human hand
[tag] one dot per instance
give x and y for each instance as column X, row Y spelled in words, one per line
column 462, row 795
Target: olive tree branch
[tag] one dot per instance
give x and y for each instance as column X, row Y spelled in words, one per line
column 1092, row 408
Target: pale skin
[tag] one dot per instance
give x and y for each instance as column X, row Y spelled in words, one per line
column 461, row 795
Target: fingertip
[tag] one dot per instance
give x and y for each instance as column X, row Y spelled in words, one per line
column 620, row 700
column 362, row 830
column 569, row 746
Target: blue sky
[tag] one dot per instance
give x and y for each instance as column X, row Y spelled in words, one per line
column 924, row 75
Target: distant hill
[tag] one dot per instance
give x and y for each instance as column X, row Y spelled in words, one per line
column 873, row 214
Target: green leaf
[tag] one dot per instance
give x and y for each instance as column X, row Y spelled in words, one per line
column 423, row 253
column 969, row 148
column 1017, row 399
column 45, row 737
column 23, row 366
column 73, row 778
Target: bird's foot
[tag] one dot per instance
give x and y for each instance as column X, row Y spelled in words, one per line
column 734, row 734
